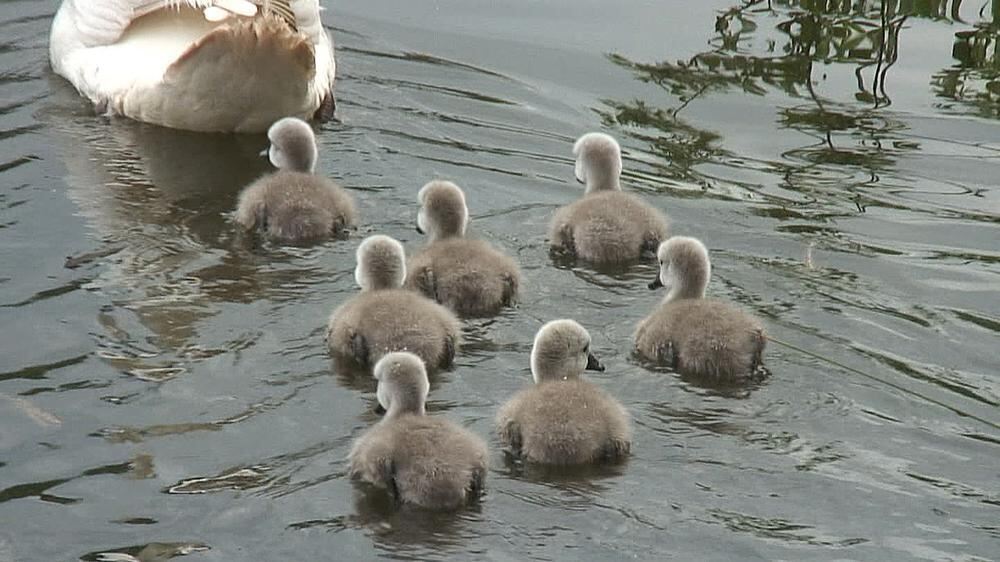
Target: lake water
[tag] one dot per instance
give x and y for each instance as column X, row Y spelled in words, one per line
column 166, row 392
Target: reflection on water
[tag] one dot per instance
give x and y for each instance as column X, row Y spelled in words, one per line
column 165, row 388
column 402, row 532
column 152, row 552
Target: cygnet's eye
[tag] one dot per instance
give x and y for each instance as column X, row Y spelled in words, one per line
column 586, row 348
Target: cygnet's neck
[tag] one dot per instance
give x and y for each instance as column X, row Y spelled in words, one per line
column 293, row 146
column 380, row 281
column 401, row 407
column 448, row 220
column 381, row 263
column 686, row 292
column 543, row 371
column 438, row 233
column 602, row 180
column 691, row 284
column 306, row 167
column 380, row 276
column 301, row 160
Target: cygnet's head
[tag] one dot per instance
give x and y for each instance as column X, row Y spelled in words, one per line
column 381, row 263
column 443, row 212
column 684, row 268
column 598, row 162
column 562, row 351
column 402, row 384
column 293, row 145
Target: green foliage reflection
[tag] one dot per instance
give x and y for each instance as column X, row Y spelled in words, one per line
column 837, row 57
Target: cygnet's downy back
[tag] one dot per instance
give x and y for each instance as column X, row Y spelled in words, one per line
column 564, row 419
column 293, row 205
column 607, row 226
column 470, row 277
column 422, row 460
column 693, row 335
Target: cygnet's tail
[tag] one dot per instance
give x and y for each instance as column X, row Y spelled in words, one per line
column 474, row 293
column 607, row 239
column 292, row 223
column 447, row 487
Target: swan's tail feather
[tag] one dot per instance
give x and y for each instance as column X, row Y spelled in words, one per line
column 280, row 8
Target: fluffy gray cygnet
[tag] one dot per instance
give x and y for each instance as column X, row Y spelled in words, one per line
column 470, row 277
column 423, row 460
column 606, row 226
column 563, row 419
column 694, row 335
column 294, row 205
column 384, row 317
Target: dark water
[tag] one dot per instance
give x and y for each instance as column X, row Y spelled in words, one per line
column 165, row 392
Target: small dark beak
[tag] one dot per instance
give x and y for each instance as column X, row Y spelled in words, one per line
column 578, row 180
column 655, row 284
column 379, row 410
column 420, row 230
column 593, row 364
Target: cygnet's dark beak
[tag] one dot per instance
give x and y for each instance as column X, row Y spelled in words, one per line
column 379, row 410
column 420, row 230
column 655, row 284
column 593, row 364
column 579, row 180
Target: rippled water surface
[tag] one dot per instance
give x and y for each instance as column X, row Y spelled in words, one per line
column 166, row 392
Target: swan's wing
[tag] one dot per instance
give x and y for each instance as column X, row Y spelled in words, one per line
column 102, row 22
column 98, row 22
column 143, row 7
column 307, row 18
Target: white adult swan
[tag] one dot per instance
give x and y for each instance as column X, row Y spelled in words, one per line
column 201, row 65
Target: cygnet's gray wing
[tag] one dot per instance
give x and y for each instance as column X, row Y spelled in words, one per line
column 507, row 426
column 344, row 338
column 654, row 340
column 371, row 459
column 378, row 322
column 565, row 422
column 252, row 205
column 608, row 227
column 296, row 207
column 561, row 231
column 469, row 277
column 420, row 276
column 704, row 337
